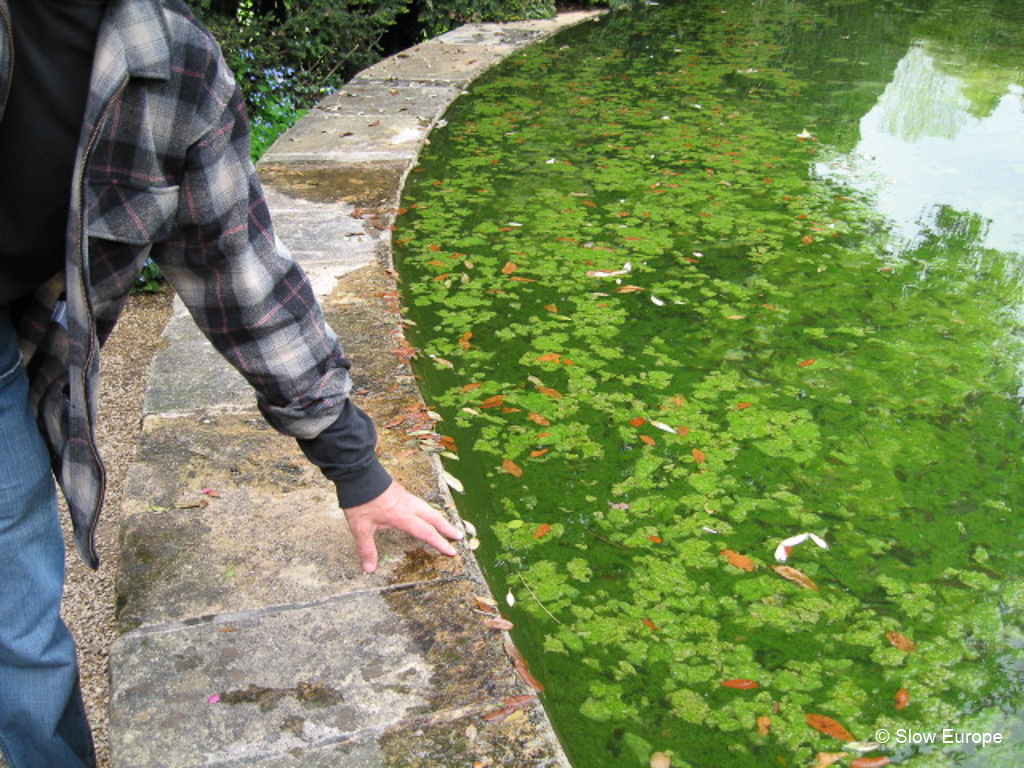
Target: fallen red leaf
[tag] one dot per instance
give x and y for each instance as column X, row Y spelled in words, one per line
column 682, row 431
column 737, row 560
column 902, row 698
column 743, row 406
column 829, row 727
column 521, row 666
column 745, row 685
column 542, row 530
column 650, row 624
column 870, row 762
column 797, row 577
column 536, row 418
column 805, row 363
column 655, row 539
column 639, row 421
column 549, row 392
column 647, row 439
column 512, row 468
column 900, row 641
column 550, row 357
column 493, row 402
column 698, row 455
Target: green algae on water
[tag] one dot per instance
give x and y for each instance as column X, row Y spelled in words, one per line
column 667, row 309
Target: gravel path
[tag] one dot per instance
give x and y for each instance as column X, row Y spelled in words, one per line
column 89, row 595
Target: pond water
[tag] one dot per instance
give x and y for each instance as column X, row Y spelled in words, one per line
column 695, row 279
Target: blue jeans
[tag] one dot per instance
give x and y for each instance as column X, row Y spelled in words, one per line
column 42, row 720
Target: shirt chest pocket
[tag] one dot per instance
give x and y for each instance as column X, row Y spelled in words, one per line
column 128, row 213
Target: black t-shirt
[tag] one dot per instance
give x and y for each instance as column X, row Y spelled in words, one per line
column 54, row 42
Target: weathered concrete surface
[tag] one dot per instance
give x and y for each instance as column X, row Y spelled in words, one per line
column 250, row 634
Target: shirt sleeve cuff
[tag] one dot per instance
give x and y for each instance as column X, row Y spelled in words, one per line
column 346, row 453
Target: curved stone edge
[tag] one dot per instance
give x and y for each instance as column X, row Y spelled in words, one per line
column 248, row 634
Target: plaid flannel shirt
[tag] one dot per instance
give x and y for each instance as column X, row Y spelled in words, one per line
column 163, row 171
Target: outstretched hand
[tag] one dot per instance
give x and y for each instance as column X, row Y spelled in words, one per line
column 397, row 508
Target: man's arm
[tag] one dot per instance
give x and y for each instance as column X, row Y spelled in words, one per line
column 257, row 307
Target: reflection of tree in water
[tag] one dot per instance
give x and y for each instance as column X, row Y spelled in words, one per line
column 922, row 101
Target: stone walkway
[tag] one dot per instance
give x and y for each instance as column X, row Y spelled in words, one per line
column 249, row 634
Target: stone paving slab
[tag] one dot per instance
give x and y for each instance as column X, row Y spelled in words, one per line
column 270, row 687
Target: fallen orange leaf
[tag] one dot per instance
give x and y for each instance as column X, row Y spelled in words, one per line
column 651, row 624
column 521, row 666
column 464, row 341
column 683, row 431
column 900, row 641
column 902, row 698
column 542, row 530
column 509, row 268
column 825, row 759
column 550, row 357
column 698, row 455
column 829, row 727
column 549, row 392
column 537, row 454
column 655, row 539
column 743, row 406
column 764, row 725
column 472, row 386
column 512, row 468
column 870, row 762
column 551, row 308
column 639, row 421
column 493, row 402
column 805, row 363
column 737, row 560
column 628, row 289
column 647, row 439
column 797, row 577
column 536, row 418
column 745, row 685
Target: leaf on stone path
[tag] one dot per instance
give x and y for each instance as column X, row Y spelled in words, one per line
column 698, row 455
column 737, row 560
column 486, row 604
column 805, row 363
column 493, row 402
column 520, row 664
column 900, row 641
column 660, row 760
column 536, row 418
column 464, row 341
column 764, row 725
column 902, row 698
column 826, row 759
column 512, row 468
column 453, row 482
column 829, row 727
column 509, row 268
column 542, row 530
column 797, row 577
column 651, row 624
column 497, row 715
column 647, row 439
column 499, row 623
column 870, row 762
column 742, row 684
